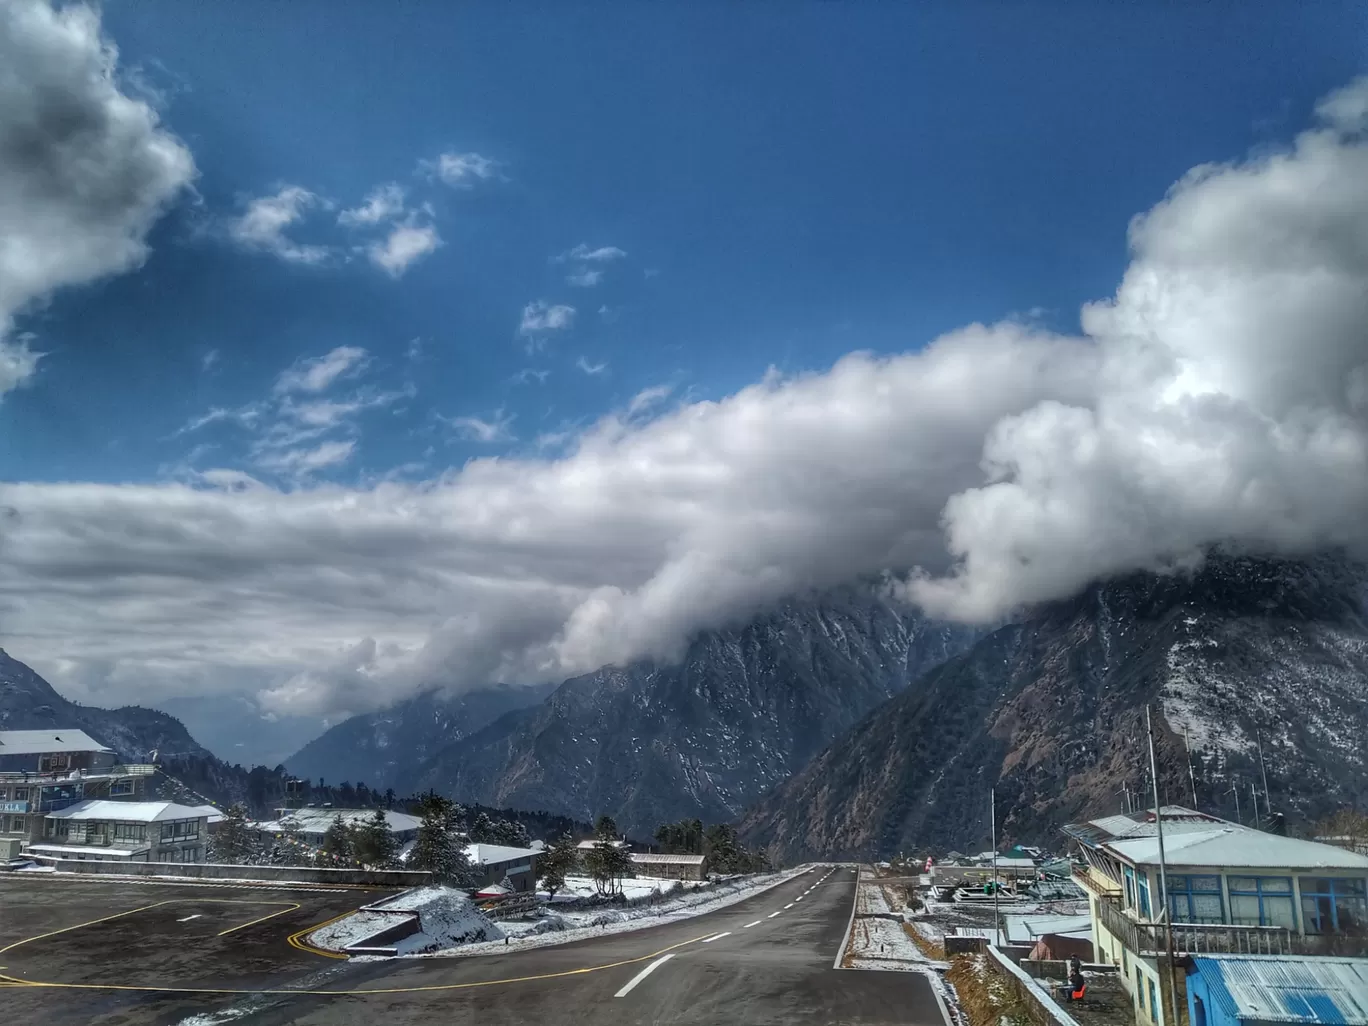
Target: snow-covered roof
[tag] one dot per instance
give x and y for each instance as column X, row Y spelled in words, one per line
column 648, row 859
column 1288, row 988
column 84, row 849
column 127, row 812
column 493, row 854
column 317, row 821
column 1026, row 928
column 594, row 842
column 41, row 742
column 211, row 812
column 1237, row 847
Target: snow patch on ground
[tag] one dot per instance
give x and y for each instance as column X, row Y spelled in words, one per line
column 564, row 927
column 884, row 944
column 446, row 917
column 632, row 887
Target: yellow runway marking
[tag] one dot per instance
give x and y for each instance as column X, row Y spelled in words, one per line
column 296, row 940
column 159, row 904
column 292, row 906
column 429, row 988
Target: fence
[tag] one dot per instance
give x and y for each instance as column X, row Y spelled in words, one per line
column 218, row 871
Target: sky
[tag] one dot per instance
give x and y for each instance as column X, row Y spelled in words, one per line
column 349, row 349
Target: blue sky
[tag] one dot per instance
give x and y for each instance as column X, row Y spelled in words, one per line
column 348, row 350
column 785, row 188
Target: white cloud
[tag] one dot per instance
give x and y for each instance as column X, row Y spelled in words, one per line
column 539, row 317
column 317, row 374
column 262, row 226
column 530, row 374
column 209, row 359
column 304, row 461
column 477, row 429
column 586, row 254
column 85, row 168
column 585, row 277
column 384, row 203
column 1221, row 395
column 647, row 398
column 590, row 368
column 459, row 170
column 405, row 244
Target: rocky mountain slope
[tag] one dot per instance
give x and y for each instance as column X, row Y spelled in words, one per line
column 28, row 702
column 191, row 772
column 382, row 748
column 705, row 737
column 1246, row 654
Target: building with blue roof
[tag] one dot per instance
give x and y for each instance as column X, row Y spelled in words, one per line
column 1250, row 990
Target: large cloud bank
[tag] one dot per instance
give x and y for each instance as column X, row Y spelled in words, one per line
column 1220, row 395
column 85, row 169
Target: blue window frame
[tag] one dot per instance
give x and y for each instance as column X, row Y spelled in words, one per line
column 1262, row 901
column 1196, row 899
column 1154, row 1004
column 1142, row 886
column 1130, row 886
column 1332, row 904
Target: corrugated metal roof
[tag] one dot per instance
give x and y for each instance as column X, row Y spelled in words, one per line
column 103, row 810
column 648, row 859
column 1237, row 847
column 495, row 854
column 41, row 742
column 1283, row 988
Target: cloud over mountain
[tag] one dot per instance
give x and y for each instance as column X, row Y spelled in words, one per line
column 1221, row 394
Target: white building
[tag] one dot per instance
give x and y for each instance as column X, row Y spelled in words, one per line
column 312, row 823
column 1231, row 890
column 495, row 863
column 42, row 771
column 124, row 831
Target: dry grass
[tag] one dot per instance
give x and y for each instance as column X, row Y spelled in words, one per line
column 928, row 948
column 984, row 996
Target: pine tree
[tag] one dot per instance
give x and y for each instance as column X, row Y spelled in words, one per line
column 437, row 848
column 339, row 843
column 233, row 841
column 556, row 863
column 375, row 843
column 606, row 828
column 482, row 829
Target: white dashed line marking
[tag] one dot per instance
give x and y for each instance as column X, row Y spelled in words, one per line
column 643, row 974
column 188, row 918
column 749, row 925
column 717, row 936
column 773, row 914
column 789, row 905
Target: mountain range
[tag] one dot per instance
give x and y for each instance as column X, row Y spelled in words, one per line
column 1259, row 667
column 847, row 725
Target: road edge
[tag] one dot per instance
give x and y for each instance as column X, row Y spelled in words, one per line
column 854, row 904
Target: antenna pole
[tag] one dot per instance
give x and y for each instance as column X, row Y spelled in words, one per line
column 992, row 815
column 1163, row 871
column 1191, row 776
column 1263, row 770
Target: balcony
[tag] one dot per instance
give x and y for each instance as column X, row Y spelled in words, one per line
column 1221, row 938
column 1096, row 884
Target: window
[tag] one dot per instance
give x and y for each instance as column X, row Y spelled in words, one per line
column 121, row 787
column 1142, row 885
column 1154, row 1004
column 1130, row 887
column 1196, row 899
column 1262, row 901
column 1334, row 904
column 20, row 794
column 130, row 831
column 53, row 763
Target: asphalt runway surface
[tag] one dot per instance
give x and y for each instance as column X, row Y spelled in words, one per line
column 125, row 954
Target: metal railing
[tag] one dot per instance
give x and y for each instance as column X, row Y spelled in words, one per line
column 1220, row 938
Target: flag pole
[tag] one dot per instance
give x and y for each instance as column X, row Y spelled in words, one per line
column 1163, row 870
